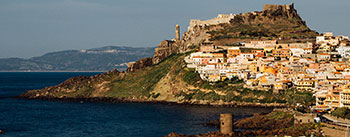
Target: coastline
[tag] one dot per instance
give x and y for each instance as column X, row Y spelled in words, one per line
column 186, row 103
column 53, row 71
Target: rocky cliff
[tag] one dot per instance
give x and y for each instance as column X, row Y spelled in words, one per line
column 274, row 22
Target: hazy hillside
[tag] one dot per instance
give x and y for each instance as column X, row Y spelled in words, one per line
column 96, row 59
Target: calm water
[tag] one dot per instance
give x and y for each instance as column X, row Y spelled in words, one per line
column 20, row 117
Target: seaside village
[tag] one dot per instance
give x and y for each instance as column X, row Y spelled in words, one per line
column 321, row 67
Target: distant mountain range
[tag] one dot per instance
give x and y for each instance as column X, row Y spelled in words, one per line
column 96, row 59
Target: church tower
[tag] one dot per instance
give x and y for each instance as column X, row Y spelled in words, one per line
column 177, row 32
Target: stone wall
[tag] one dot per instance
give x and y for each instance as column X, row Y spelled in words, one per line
column 165, row 49
column 221, row 18
column 140, row 64
column 278, row 7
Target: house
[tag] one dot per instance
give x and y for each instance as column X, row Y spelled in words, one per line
column 207, row 47
column 332, row 99
column 247, row 55
column 323, row 57
column 282, row 46
column 344, row 51
column 283, row 85
column 301, row 45
column 261, row 44
column 344, row 96
column 305, row 85
column 307, row 50
column 297, row 51
column 258, row 53
column 282, row 53
column 233, row 52
column 267, row 81
column 236, row 59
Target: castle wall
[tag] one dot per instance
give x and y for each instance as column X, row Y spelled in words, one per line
column 276, row 7
column 221, row 18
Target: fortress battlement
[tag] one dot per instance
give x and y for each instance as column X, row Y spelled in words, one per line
column 221, row 18
column 268, row 7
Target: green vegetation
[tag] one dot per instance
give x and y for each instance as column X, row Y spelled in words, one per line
column 342, row 113
column 276, row 123
column 258, row 31
column 141, row 82
column 273, row 120
column 234, row 91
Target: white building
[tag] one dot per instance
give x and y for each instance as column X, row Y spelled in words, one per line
column 297, row 51
column 344, row 51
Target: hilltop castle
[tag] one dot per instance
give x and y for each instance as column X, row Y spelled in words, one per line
column 197, row 31
column 278, row 7
column 226, row 18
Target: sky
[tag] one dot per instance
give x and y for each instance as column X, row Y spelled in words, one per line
column 31, row 28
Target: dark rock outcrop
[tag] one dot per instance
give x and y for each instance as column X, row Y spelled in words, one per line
column 140, row 64
column 272, row 14
column 165, row 49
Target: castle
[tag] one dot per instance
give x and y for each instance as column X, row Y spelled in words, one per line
column 225, row 18
column 221, row 18
column 268, row 7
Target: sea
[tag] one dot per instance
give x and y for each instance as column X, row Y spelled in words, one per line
column 39, row 118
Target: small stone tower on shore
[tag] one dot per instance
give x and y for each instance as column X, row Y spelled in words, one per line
column 177, row 32
column 226, row 123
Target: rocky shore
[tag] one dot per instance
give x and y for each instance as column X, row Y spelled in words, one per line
column 274, row 123
column 127, row 100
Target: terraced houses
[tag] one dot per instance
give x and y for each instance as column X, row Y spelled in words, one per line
column 321, row 67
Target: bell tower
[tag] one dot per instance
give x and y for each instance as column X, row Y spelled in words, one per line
column 177, row 32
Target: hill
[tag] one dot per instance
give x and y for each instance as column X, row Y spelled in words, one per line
column 96, row 59
column 165, row 77
column 273, row 22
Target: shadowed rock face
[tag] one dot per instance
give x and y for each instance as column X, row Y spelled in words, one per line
column 165, row 48
column 140, row 64
column 274, row 14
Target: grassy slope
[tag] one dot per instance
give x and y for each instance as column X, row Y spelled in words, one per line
column 234, row 91
column 119, row 85
column 141, row 82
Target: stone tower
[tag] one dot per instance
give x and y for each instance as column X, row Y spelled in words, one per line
column 226, row 123
column 177, row 32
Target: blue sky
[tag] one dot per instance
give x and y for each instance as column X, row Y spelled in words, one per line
column 33, row 27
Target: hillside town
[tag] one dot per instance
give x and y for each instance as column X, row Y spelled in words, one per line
column 320, row 67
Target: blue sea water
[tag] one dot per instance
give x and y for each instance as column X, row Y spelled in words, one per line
column 38, row 118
